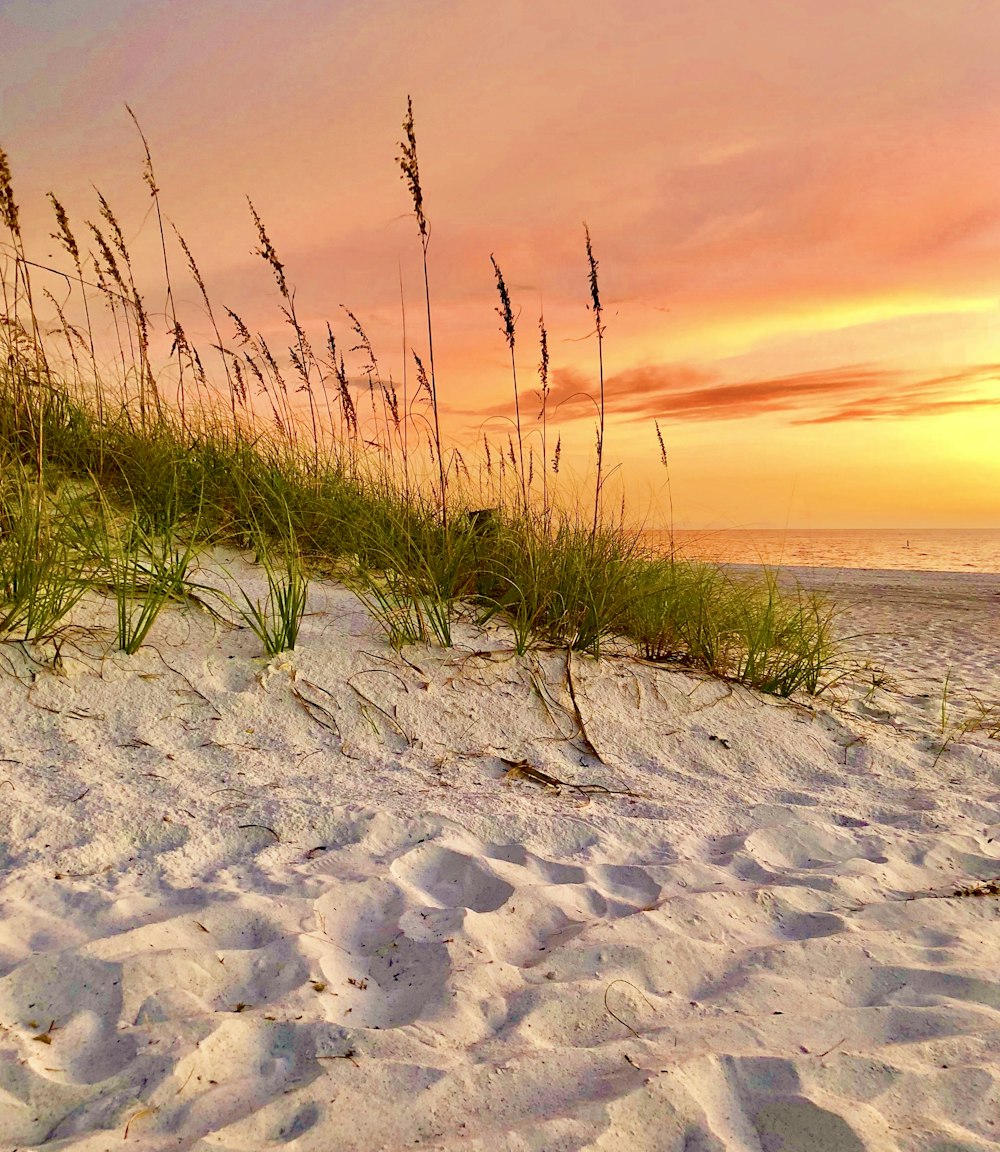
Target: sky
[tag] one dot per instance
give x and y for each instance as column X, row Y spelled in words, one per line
column 794, row 206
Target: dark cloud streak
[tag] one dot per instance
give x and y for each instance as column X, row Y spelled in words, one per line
column 826, row 396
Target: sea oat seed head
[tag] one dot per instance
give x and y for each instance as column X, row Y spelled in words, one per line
column 504, row 311
column 8, row 207
column 543, row 363
column 65, row 234
column 411, row 169
column 663, row 447
column 595, row 295
column 267, row 253
column 422, row 380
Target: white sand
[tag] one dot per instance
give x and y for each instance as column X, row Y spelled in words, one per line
column 247, row 905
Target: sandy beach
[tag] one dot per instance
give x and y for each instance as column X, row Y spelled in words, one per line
column 920, row 626
column 334, row 900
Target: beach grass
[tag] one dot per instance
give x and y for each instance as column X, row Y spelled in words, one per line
column 275, row 619
column 44, row 557
column 146, row 565
column 118, row 468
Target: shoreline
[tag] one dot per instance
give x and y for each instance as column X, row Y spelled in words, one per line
column 921, row 627
column 830, row 576
column 962, row 551
column 930, row 633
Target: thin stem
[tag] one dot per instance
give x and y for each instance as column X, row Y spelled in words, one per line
column 595, row 298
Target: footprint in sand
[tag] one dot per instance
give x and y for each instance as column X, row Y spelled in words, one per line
column 796, row 799
column 807, row 845
column 626, row 883
column 550, row 871
column 722, row 849
column 383, row 977
column 452, row 879
column 811, row 925
column 76, row 1001
column 796, row 1124
column 714, row 1103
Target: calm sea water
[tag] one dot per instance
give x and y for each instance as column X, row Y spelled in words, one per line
column 915, row 549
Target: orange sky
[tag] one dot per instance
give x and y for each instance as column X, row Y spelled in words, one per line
column 795, row 207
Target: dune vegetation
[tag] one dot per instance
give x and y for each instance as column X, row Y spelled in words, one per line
column 123, row 464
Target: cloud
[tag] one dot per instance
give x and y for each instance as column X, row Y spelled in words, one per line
column 682, row 392
column 910, row 397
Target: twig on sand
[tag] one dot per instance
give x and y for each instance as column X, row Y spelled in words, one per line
column 395, row 655
column 70, row 713
column 348, row 1055
column 378, row 707
column 381, row 672
column 538, row 683
column 576, row 707
column 521, row 769
column 614, row 1014
column 718, row 700
column 316, row 711
column 137, row 1116
column 263, row 828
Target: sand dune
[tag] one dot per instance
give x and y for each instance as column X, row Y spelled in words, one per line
column 317, row 902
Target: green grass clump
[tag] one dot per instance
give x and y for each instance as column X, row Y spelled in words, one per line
column 561, row 584
column 742, row 630
column 43, row 555
column 116, row 477
column 276, row 619
column 413, row 578
column 145, row 563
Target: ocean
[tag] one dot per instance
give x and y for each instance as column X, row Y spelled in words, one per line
column 969, row 550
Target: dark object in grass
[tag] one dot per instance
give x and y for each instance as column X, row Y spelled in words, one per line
column 483, row 521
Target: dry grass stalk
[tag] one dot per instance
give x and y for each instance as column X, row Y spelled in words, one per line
column 543, row 396
column 506, row 314
column 595, row 305
column 411, row 174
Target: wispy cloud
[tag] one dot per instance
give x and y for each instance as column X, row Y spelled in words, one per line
column 930, row 397
column 850, row 392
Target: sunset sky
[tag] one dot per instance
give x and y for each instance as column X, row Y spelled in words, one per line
column 795, row 205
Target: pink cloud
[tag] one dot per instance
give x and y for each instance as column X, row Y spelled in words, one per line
column 679, row 392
